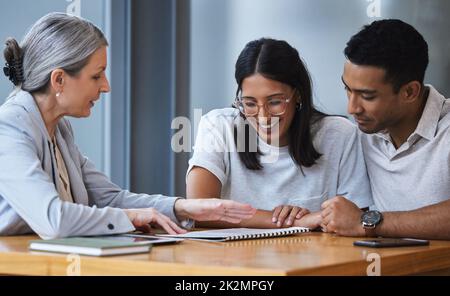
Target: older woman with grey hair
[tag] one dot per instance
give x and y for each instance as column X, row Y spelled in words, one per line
column 46, row 184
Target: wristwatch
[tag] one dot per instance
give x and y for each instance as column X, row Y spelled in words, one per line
column 370, row 220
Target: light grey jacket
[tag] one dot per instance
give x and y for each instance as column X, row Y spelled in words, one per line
column 29, row 200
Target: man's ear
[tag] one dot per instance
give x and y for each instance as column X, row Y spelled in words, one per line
column 57, row 80
column 410, row 92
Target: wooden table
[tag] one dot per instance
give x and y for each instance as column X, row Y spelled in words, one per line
column 303, row 254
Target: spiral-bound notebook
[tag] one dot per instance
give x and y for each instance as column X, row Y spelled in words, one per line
column 229, row 234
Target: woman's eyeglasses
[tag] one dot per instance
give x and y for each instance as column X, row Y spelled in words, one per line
column 275, row 106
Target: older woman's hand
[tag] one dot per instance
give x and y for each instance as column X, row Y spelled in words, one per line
column 143, row 218
column 213, row 209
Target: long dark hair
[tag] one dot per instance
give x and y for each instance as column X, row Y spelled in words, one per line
column 277, row 60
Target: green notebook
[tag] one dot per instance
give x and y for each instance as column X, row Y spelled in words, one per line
column 94, row 246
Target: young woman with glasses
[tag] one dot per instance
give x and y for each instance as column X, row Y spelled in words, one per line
column 274, row 149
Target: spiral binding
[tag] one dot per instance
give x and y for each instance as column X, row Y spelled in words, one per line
column 267, row 234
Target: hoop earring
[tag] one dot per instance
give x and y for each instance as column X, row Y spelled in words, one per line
column 298, row 106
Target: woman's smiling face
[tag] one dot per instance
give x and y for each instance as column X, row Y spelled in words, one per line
column 259, row 90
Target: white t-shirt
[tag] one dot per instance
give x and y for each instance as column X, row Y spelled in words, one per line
column 339, row 171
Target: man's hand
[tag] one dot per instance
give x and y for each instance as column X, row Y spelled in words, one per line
column 341, row 216
column 143, row 218
column 213, row 209
column 285, row 215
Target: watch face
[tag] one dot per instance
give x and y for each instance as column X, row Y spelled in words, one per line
column 372, row 217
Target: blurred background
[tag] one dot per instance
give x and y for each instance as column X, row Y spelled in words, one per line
column 168, row 58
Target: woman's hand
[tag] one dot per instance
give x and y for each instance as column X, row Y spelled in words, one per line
column 143, row 218
column 285, row 215
column 311, row 221
column 213, row 209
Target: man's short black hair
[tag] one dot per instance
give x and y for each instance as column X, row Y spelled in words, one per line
column 394, row 46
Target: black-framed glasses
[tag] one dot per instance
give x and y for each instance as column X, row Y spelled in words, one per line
column 274, row 106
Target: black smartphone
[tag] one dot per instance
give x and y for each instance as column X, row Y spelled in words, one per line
column 391, row 242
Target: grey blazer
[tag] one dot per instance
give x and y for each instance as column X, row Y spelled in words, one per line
column 29, row 200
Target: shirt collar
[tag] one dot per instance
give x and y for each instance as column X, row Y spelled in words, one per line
column 428, row 123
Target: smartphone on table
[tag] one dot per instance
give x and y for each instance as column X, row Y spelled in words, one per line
column 391, row 242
